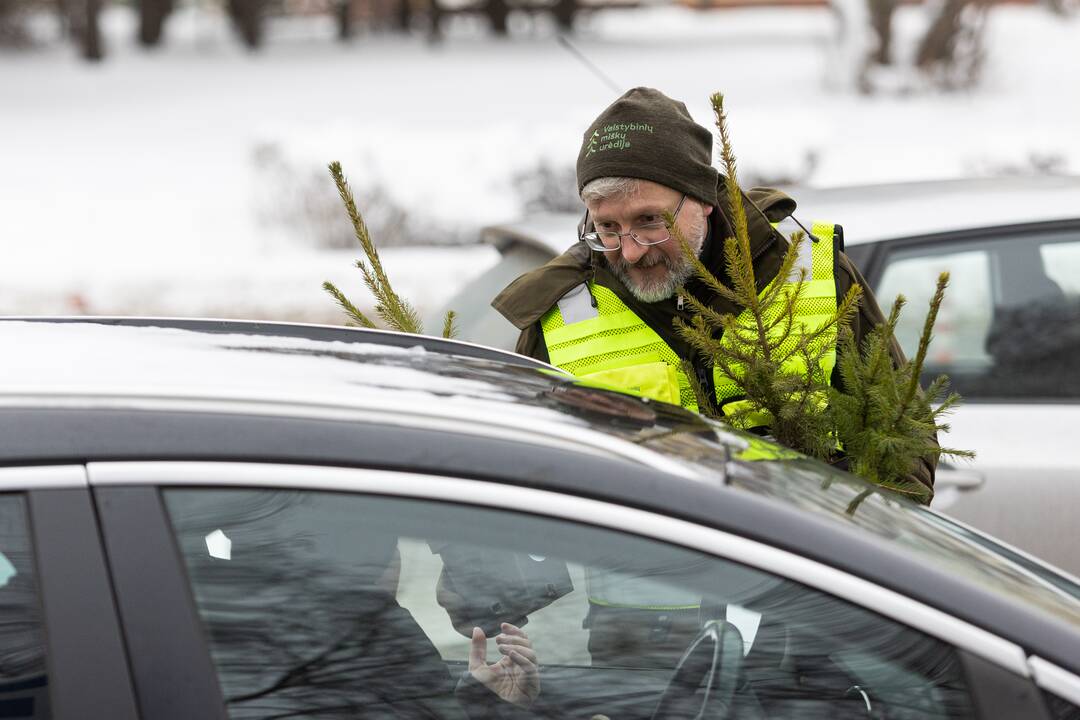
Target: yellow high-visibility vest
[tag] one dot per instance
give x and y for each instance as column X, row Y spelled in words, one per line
column 592, row 334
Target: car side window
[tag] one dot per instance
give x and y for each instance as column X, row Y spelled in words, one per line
column 1008, row 326
column 328, row 605
column 1061, row 709
column 24, row 687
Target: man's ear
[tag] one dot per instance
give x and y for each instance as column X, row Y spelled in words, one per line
column 706, row 210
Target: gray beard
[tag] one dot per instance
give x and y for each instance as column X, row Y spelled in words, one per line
column 656, row 290
column 679, row 272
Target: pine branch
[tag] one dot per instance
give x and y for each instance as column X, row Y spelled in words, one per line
column 450, row 329
column 924, row 343
column 391, row 307
column 884, row 424
column 706, row 405
column 700, row 271
column 731, row 183
column 351, row 310
column 710, row 316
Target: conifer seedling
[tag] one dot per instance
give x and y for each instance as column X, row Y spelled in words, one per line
column 880, row 419
column 765, row 350
column 885, row 421
column 394, row 310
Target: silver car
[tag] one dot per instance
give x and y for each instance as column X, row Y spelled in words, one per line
column 222, row 520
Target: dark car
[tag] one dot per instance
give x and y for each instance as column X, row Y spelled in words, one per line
column 207, row 519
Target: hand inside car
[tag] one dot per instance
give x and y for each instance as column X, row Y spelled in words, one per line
column 515, row 677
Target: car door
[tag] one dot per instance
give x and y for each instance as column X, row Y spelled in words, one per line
column 265, row 590
column 1007, row 335
column 62, row 654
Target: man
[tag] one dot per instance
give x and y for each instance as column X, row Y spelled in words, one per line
column 604, row 309
column 643, row 156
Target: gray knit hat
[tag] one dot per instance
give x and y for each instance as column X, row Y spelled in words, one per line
column 645, row 134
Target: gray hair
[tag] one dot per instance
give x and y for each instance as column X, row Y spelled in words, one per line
column 610, row 187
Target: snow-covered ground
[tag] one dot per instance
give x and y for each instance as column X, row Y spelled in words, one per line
column 136, row 186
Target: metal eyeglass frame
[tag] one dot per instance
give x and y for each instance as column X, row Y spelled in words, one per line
column 592, row 239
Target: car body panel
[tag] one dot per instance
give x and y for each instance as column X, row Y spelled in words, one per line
column 871, row 213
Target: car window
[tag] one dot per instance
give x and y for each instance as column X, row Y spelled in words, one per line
column 1011, row 318
column 1061, row 709
column 327, row 605
column 23, row 677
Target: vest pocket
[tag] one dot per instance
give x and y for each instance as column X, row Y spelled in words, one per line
column 654, row 380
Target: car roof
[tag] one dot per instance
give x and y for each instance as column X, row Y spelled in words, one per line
column 551, row 232
column 122, row 389
column 872, row 212
column 869, row 213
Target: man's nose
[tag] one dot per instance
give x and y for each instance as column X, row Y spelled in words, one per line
column 632, row 251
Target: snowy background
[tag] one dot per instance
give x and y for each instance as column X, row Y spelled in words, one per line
column 191, row 179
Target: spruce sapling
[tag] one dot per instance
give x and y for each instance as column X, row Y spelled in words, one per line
column 394, row 310
column 879, row 419
column 765, row 350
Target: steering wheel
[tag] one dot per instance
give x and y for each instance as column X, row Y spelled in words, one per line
column 713, row 662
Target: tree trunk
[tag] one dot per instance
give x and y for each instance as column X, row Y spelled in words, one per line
column 564, row 11
column 247, row 14
column 498, row 12
column 152, row 14
column 881, row 15
column 404, row 15
column 92, row 47
column 63, row 14
column 343, row 8
column 435, row 16
column 939, row 43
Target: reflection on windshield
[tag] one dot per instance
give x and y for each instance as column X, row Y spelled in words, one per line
column 1063, row 582
column 932, row 539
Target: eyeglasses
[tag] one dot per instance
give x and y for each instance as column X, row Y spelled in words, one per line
column 648, row 234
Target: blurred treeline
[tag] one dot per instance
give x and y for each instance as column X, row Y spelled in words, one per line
column 81, row 19
column 947, row 54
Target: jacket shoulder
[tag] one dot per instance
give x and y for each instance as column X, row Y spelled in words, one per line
column 525, row 300
column 774, row 204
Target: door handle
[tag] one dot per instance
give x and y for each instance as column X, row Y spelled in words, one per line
column 949, row 477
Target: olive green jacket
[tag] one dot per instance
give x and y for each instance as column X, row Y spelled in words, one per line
column 530, row 296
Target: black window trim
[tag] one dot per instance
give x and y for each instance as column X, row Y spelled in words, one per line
column 873, row 269
column 999, row 694
column 86, row 661
column 173, row 671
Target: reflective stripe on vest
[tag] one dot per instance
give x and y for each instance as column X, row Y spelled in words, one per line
column 599, row 339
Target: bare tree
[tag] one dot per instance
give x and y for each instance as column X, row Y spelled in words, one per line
column 881, row 15
column 152, row 14
column 92, row 46
column 951, row 51
column 247, row 17
column 948, row 55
